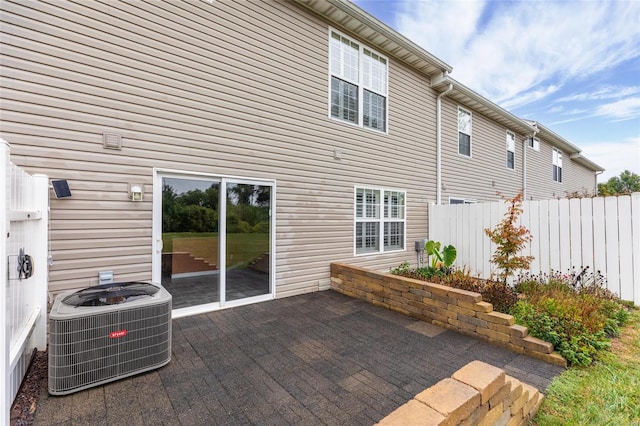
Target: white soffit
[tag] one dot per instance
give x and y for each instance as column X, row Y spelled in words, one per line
column 350, row 17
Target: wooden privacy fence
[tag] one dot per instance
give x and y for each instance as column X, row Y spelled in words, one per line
column 601, row 233
column 23, row 270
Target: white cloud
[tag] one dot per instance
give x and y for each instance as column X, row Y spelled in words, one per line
column 603, row 93
column 624, row 109
column 503, row 50
column 615, row 156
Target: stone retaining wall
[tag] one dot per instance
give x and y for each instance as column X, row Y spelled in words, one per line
column 451, row 308
column 477, row 394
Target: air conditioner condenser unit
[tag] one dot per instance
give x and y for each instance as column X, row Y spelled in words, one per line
column 107, row 332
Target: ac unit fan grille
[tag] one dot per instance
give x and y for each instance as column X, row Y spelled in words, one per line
column 94, row 349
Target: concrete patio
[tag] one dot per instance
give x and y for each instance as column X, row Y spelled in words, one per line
column 320, row 358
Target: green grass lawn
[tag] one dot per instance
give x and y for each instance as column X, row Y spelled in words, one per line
column 605, row 393
column 241, row 248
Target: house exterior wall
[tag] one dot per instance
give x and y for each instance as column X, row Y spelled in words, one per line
column 540, row 183
column 226, row 88
column 484, row 175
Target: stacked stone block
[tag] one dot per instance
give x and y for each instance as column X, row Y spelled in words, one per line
column 477, row 394
column 459, row 310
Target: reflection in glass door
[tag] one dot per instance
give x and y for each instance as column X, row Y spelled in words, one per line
column 247, row 240
column 190, row 244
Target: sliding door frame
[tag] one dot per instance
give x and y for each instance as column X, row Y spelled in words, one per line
column 156, row 264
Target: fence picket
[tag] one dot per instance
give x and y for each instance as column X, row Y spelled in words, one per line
column 599, row 237
column 477, row 214
column 486, row 242
column 565, row 235
column 544, row 237
column 575, row 233
column 625, row 246
column 554, row 235
column 586, row 225
column 534, row 210
column 611, row 244
column 602, row 233
column 635, row 245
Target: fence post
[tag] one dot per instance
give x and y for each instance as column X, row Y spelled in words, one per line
column 5, row 403
column 41, row 272
column 635, row 245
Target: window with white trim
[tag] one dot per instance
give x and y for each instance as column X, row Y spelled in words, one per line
column 511, row 150
column 557, row 165
column 534, row 143
column 359, row 83
column 464, row 132
column 460, row 201
column 379, row 220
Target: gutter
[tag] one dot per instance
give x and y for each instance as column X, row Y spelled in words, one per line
column 439, row 143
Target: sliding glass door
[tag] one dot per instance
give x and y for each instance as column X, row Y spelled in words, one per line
column 190, row 240
column 214, row 240
column 248, row 240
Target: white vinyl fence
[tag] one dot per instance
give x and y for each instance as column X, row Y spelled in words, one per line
column 23, row 227
column 602, row 233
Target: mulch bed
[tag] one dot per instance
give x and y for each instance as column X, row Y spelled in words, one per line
column 24, row 406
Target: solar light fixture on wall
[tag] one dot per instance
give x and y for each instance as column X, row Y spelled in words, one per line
column 61, row 188
column 136, row 191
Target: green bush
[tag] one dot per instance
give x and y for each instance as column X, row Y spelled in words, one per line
column 576, row 316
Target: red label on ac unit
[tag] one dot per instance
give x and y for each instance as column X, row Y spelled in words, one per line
column 117, row 334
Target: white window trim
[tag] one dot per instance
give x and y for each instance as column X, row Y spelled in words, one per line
column 464, row 200
column 359, row 83
column 381, row 220
column 553, row 164
column 536, row 144
column 509, row 150
column 470, row 132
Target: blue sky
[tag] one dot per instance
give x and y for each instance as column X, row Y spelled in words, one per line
column 573, row 66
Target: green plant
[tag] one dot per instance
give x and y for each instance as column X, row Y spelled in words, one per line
column 446, row 257
column 429, row 272
column 510, row 239
column 605, row 393
column 402, row 269
column 573, row 311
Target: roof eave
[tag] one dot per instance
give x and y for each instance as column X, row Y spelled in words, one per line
column 556, row 140
column 348, row 16
column 473, row 100
column 584, row 161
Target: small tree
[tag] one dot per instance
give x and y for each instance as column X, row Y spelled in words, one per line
column 510, row 239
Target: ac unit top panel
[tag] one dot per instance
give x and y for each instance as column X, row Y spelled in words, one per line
column 115, row 298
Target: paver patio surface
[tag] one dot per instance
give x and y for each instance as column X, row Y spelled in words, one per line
column 319, row 358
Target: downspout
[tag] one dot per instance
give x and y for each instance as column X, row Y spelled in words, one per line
column 524, row 162
column 598, row 173
column 439, row 143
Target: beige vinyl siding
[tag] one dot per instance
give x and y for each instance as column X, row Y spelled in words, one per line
column 540, row 183
column 485, row 174
column 578, row 178
column 226, row 88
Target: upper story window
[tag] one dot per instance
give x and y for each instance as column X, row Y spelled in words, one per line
column 511, row 150
column 534, row 143
column 464, row 132
column 557, row 165
column 379, row 220
column 359, row 89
